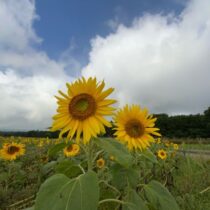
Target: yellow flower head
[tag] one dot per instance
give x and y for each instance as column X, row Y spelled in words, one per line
column 11, row 151
column 111, row 157
column 167, row 143
column 158, row 140
column 176, row 146
column 162, row 154
column 100, row 163
column 135, row 127
column 71, row 150
column 81, row 111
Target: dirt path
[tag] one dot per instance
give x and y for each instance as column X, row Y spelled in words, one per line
column 195, row 153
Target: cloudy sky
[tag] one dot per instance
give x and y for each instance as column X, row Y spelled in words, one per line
column 154, row 52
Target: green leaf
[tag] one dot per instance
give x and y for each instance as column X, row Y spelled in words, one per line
column 55, row 149
column 116, row 149
column 61, row 193
column 48, row 167
column 149, row 155
column 69, row 168
column 121, row 176
column 134, row 202
column 159, row 196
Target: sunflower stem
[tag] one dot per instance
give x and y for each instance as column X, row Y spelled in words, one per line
column 89, row 156
column 111, row 200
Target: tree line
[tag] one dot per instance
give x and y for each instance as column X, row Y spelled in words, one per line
column 179, row 126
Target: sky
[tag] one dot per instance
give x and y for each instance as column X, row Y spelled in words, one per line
column 153, row 52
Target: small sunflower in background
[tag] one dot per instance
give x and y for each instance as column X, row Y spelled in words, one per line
column 81, row 111
column 111, row 157
column 100, row 163
column 167, row 143
column 162, row 154
column 71, row 150
column 10, row 151
column 135, row 127
column 175, row 146
column 158, row 141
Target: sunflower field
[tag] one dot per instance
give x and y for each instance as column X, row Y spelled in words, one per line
column 81, row 170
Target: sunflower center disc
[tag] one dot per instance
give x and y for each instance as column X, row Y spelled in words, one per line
column 69, row 148
column 82, row 106
column 12, row 150
column 134, row 128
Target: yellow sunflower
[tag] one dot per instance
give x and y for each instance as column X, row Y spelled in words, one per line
column 100, row 163
column 175, row 146
column 10, row 151
column 71, row 150
column 81, row 111
column 135, row 127
column 162, row 154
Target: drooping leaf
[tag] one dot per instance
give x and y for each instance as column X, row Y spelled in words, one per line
column 61, row 193
column 116, row 149
column 159, row 196
column 149, row 156
column 55, row 149
column 134, row 202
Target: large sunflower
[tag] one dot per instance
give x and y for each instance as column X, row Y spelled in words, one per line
column 81, row 111
column 11, row 151
column 135, row 127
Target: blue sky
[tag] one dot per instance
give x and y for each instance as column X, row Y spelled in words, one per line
column 155, row 53
column 75, row 22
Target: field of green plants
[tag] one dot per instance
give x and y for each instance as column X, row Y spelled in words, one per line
column 187, row 179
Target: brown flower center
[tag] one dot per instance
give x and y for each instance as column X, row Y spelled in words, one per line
column 162, row 153
column 12, row 150
column 82, row 106
column 69, row 148
column 134, row 128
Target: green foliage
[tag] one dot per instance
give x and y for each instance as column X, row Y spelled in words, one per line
column 121, row 176
column 159, row 197
column 68, row 168
column 55, row 149
column 116, row 149
column 134, row 202
column 59, row 193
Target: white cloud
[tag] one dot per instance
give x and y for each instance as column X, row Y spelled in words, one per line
column 28, row 78
column 161, row 62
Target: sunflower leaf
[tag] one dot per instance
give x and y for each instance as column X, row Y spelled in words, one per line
column 149, row 155
column 159, row 197
column 134, row 202
column 116, row 149
column 61, row 193
column 55, row 149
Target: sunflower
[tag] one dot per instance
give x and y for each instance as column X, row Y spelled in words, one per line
column 81, row 111
column 135, row 127
column 100, row 163
column 158, row 141
column 175, row 146
column 11, row 151
column 162, row 154
column 71, row 150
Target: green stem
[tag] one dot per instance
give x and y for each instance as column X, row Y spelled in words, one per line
column 89, row 156
column 110, row 186
column 111, row 200
column 81, row 168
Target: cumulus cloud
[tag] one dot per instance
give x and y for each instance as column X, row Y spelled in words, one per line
column 28, row 77
column 161, row 62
